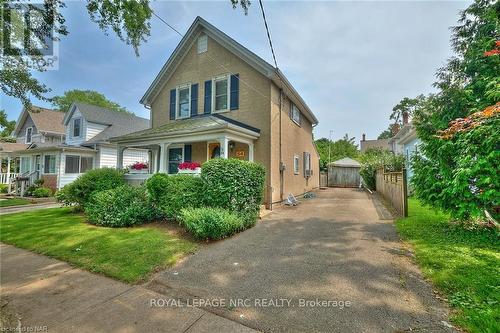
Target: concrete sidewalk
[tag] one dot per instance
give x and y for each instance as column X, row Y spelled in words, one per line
column 27, row 208
column 37, row 291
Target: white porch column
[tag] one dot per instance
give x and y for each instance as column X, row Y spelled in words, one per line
column 8, row 174
column 250, row 152
column 224, row 147
column 164, row 156
column 119, row 157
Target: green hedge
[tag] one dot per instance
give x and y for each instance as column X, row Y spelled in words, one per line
column 42, row 192
column 120, row 207
column 233, row 184
column 4, row 188
column 79, row 192
column 170, row 194
column 210, row 223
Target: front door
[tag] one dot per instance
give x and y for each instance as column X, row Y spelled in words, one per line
column 174, row 159
column 213, row 150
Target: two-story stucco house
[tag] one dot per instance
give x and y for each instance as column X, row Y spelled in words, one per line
column 84, row 133
column 215, row 98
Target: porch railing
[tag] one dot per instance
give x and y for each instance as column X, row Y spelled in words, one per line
column 5, row 178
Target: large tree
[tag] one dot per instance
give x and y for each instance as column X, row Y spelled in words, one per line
column 331, row 151
column 92, row 97
column 6, row 126
column 458, row 172
column 128, row 19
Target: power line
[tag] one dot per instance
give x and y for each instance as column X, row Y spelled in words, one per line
column 268, row 34
column 214, row 60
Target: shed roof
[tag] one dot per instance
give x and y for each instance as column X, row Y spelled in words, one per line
column 346, row 162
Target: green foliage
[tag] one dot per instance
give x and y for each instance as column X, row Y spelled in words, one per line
column 122, row 206
column 63, row 103
column 210, row 223
column 6, row 126
column 42, row 192
column 233, row 184
column 460, row 175
column 32, row 188
column 387, row 134
column 376, row 158
column 169, row 194
column 4, row 188
column 408, row 105
column 79, row 192
column 331, row 151
column 462, row 264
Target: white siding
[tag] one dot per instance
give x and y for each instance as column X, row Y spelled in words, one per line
column 89, row 130
column 92, row 129
column 107, row 157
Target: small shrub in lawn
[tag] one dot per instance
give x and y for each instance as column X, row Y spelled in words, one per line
column 233, row 184
column 4, row 188
column 42, row 192
column 120, row 207
column 210, row 223
column 169, row 194
column 79, row 192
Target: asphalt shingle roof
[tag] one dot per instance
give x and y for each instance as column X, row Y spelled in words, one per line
column 47, row 120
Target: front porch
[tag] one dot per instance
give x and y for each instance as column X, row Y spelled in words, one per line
column 208, row 137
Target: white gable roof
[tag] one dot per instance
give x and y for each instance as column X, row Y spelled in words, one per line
column 201, row 26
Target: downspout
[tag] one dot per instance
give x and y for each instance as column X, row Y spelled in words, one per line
column 281, row 166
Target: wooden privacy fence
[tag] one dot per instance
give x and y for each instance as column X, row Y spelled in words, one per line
column 393, row 187
column 323, row 179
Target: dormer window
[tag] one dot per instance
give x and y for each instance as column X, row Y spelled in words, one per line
column 29, row 134
column 184, row 99
column 202, row 44
column 77, row 127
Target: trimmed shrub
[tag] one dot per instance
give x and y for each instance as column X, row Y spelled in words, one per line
column 233, row 184
column 79, row 192
column 210, row 223
column 4, row 188
column 120, row 207
column 42, row 192
column 170, row 194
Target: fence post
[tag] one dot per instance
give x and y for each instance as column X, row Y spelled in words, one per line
column 405, row 194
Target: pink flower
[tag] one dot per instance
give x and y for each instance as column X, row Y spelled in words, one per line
column 189, row 165
column 139, row 166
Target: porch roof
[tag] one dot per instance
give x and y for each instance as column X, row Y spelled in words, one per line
column 9, row 147
column 188, row 126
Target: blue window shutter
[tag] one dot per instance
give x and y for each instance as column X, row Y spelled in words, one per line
column 194, row 99
column 187, row 153
column 235, row 92
column 207, row 108
column 172, row 104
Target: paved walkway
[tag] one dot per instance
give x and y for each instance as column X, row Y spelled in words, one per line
column 37, row 292
column 331, row 248
column 27, row 208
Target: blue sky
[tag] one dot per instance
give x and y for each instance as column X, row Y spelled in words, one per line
column 350, row 61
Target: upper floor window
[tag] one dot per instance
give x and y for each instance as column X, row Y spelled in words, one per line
column 29, row 134
column 221, row 95
column 295, row 114
column 77, row 127
column 184, row 98
column 202, row 43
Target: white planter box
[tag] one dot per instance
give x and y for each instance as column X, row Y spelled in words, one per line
column 196, row 171
column 139, row 171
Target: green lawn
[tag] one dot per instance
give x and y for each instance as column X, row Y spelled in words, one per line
column 128, row 254
column 464, row 265
column 14, row 202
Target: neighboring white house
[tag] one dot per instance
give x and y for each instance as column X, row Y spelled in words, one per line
column 407, row 139
column 86, row 145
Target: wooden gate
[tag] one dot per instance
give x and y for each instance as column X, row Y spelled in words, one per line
column 341, row 176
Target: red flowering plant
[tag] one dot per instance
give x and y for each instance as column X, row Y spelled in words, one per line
column 139, row 166
column 189, row 166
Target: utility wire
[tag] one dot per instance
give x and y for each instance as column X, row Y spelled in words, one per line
column 268, row 34
column 214, row 60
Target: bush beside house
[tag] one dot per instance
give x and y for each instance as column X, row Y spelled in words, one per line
column 210, row 223
column 374, row 159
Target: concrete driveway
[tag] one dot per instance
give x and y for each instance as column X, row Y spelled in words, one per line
column 330, row 248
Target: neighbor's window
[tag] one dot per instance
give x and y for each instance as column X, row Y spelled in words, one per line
column 29, row 133
column 25, row 164
column 295, row 114
column 183, row 104
column 49, row 164
column 221, row 94
column 202, row 43
column 86, row 163
column 296, row 163
column 77, row 127
column 72, row 164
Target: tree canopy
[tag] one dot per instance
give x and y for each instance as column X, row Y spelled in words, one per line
column 6, row 126
column 345, row 147
column 92, row 97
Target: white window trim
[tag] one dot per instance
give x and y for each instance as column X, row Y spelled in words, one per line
column 299, row 113
column 220, row 78
column 177, row 109
column 26, row 135
column 296, row 158
column 79, row 163
column 72, row 129
column 206, row 43
column 55, row 164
